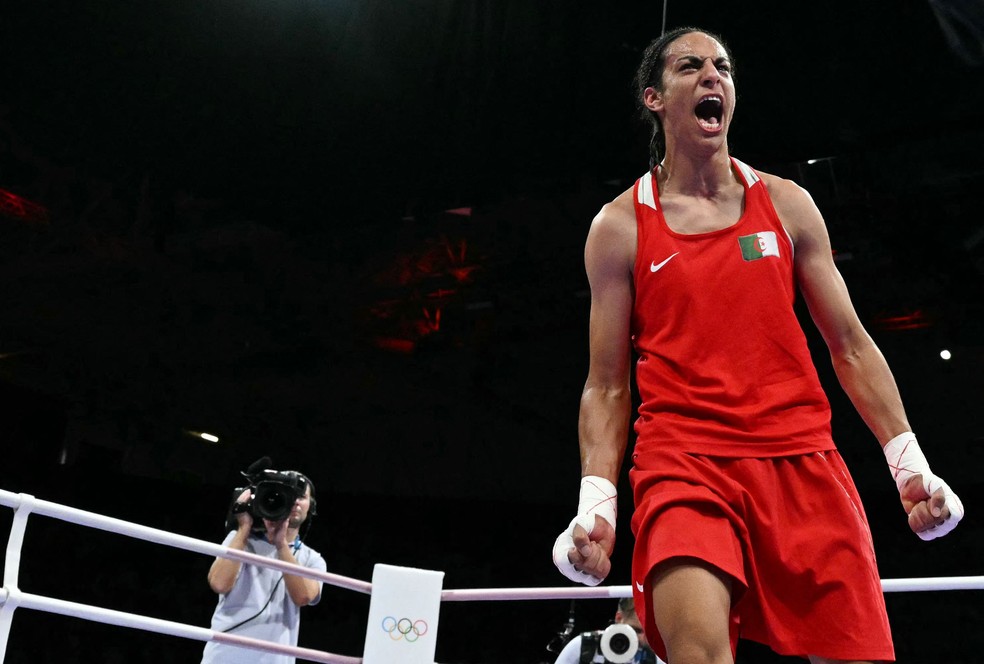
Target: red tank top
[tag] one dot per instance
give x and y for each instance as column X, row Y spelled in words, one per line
column 723, row 366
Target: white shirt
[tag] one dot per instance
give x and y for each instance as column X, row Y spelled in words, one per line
column 278, row 621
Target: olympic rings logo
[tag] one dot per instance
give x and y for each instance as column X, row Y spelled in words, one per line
column 404, row 628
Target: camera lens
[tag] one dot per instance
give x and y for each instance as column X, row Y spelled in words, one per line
column 273, row 501
column 619, row 643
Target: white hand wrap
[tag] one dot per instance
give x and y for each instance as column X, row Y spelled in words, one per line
column 598, row 496
column 905, row 459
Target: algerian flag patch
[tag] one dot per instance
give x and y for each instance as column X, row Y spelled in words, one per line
column 758, row 245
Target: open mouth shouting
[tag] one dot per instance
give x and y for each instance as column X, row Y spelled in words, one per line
column 710, row 111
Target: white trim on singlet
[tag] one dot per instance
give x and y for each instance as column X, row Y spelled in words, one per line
column 792, row 247
column 750, row 176
column 646, row 195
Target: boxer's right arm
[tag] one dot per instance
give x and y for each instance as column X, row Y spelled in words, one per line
column 606, row 400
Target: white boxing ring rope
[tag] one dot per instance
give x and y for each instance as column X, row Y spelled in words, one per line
column 11, row 597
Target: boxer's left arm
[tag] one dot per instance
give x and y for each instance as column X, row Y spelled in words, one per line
column 860, row 366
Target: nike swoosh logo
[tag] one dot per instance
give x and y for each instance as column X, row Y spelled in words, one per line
column 639, row 585
column 656, row 267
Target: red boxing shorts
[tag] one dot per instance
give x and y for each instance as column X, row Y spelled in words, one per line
column 792, row 533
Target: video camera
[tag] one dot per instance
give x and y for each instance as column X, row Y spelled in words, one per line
column 616, row 644
column 272, row 494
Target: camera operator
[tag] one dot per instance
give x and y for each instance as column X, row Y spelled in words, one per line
column 591, row 646
column 260, row 602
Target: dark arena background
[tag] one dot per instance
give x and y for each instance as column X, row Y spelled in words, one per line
column 348, row 234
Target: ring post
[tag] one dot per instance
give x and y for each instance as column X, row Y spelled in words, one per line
column 403, row 613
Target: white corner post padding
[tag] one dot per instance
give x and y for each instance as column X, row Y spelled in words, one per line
column 403, row 612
